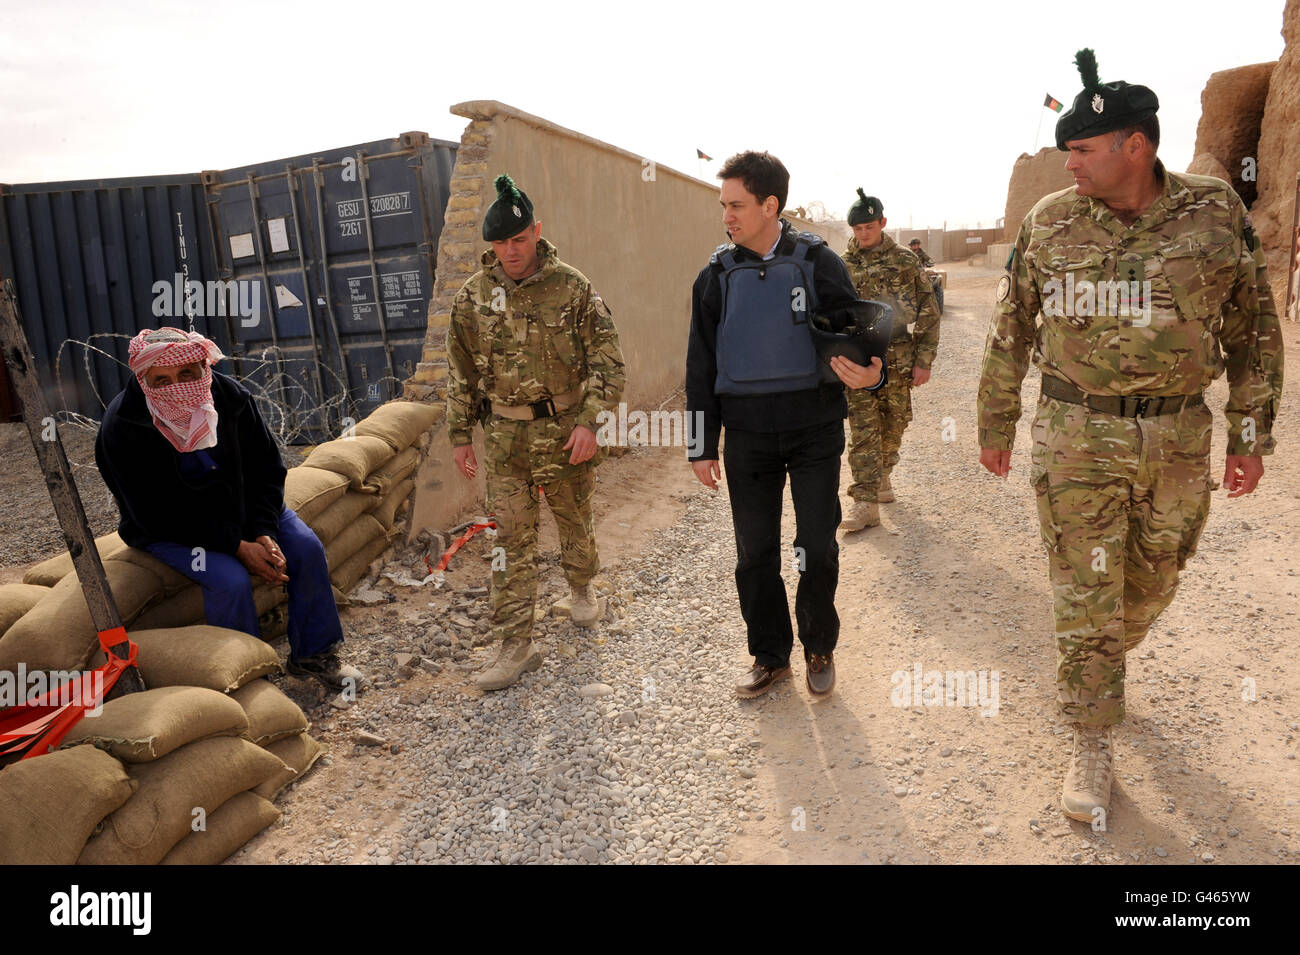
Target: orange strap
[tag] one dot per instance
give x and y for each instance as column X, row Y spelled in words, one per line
column 39, row 725
column 460, row 542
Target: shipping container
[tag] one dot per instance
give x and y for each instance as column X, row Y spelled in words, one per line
column 313, row 273
column 341, row 247
column 86, row 258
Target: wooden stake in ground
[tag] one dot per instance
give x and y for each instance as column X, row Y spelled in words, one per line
column 58, row 478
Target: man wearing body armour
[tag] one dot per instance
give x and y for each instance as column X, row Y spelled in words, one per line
column 751, row 366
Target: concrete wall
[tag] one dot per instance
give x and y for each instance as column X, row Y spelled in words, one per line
column 638, row 230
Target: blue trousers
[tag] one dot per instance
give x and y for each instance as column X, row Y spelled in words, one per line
column 314, row 624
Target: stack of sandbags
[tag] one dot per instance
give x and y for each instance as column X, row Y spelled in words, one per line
column 185, row 751
column 57, row 632
column 234, row 663
column 221, row 676
column 378, row 462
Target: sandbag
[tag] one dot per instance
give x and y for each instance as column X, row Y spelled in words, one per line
column 346, row 575
column 308, row 491
column 299, row 754
column 336, row 518
column 172, row 581
column 211, row 657
column 357, row 535
column 185, row 609
column 143, row 727
column 16, row 600
column 386, row 512
column 400, row 422
column 271, row 715
column 354, row 457
column 384, row 479
column 57, row 634
column 50, row 805
column 202, row 775
column 49, row 572
column 235, row 822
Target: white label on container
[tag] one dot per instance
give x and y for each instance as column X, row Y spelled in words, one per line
column 286, row 299
column 279, row 236
column 241, row 246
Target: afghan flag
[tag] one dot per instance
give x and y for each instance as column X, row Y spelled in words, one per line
column 1054, row 104
column 699, row 154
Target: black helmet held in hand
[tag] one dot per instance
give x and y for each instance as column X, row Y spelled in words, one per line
column 859, row 331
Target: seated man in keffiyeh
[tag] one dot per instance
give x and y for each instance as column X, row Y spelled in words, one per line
column 199, row 484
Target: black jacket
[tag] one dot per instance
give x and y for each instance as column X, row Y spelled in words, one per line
column 241, row 500
column 785, row 411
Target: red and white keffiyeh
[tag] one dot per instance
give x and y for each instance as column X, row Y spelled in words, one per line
column 183, row 411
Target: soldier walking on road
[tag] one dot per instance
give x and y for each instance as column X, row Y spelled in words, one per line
column 885, row 271
column 1150, row 284
column 532, row 352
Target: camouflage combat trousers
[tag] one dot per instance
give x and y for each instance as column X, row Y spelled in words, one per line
column 877, row 420
column 526, row 463
column 1122, row 502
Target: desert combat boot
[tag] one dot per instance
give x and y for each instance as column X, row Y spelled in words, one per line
column 885, row 495
column 518, row 656
column 1087, row 784
column 585, row 607
column 862, row 514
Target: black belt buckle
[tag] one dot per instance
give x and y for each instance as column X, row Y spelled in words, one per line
column 544, row 408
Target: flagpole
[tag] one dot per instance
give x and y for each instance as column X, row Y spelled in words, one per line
column 1038, row 132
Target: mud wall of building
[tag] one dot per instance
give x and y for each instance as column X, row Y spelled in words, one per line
column 638, row 230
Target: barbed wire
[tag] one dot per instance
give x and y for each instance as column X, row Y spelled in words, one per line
column 294, row 415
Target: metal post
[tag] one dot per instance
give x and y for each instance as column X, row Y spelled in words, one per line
column 58, row 478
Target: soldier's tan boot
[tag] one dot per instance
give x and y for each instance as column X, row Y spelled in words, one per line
column 518, row 656
column 862, row 514
column 885, row 495
column 585, row 607
column 1087, row 784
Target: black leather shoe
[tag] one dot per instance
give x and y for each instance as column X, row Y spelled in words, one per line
column 821, row 673
column 760, row 679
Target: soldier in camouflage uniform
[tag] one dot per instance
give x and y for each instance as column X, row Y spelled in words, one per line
column 1150, row 284
column 533, row 353
column 885, row 271
column 920, row 253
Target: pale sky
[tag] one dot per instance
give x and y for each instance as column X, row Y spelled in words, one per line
column 925, row 105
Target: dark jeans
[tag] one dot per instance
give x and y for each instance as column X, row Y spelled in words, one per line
column 314, row 624
column 756, row 465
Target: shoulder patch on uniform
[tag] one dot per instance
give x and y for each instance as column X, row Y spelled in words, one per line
column 1004, row 287
column 1011, row 258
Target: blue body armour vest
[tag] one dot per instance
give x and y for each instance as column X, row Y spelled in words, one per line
column 764, row 343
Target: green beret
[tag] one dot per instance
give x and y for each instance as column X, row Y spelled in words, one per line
column 510, row 214
column 865, row 209
column 1102, row 107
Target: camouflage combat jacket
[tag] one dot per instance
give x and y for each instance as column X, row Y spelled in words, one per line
column 521, row 342
column 892, row 274
column 1202, row 305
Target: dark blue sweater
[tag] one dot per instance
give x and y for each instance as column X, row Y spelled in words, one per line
column 214, row 498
